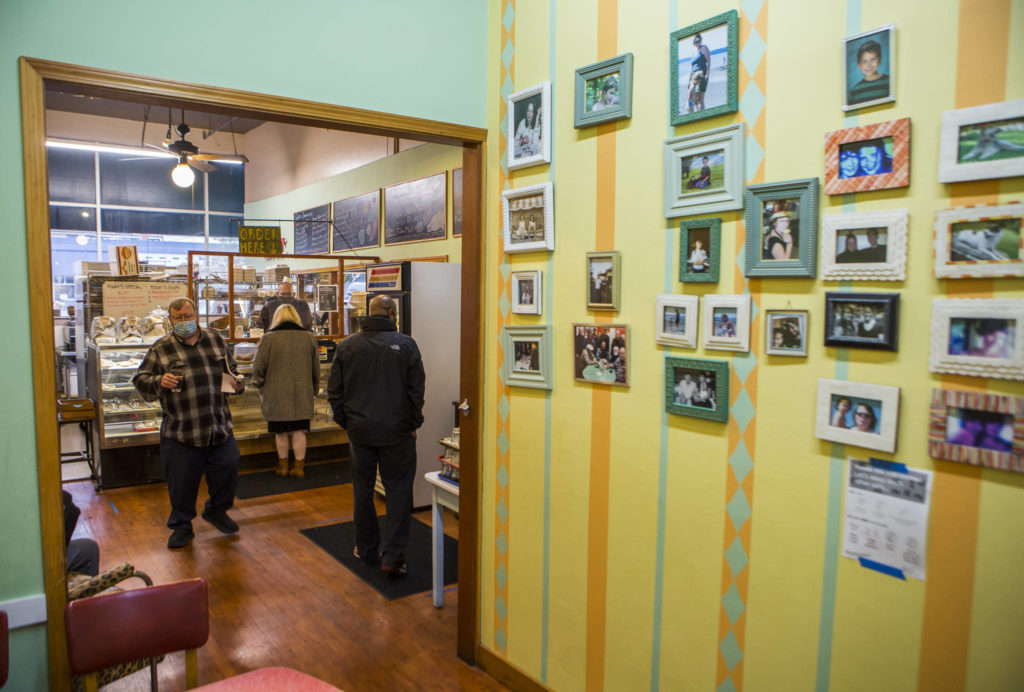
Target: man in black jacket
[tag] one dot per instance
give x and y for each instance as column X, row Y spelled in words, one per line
column 376, row 394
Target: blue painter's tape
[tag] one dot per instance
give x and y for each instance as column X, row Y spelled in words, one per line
column 113, row 507
column 889, row 465
column 884, row 569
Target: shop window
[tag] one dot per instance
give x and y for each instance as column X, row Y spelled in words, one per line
column 72, row 218
column 72, row 175
column 227, row 188
column 67, row 248
column 152, row 222
column 144, row 181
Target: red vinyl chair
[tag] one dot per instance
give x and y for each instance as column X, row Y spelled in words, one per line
column 111, row 629
column 4, row 652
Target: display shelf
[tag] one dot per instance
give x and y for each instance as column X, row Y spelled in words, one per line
column 450, row 445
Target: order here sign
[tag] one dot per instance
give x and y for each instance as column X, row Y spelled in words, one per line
column 259, row 240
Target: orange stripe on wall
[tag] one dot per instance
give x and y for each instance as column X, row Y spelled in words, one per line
column 601, row 405
column 982, row 45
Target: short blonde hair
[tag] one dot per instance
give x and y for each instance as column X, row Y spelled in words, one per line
column 285, row 313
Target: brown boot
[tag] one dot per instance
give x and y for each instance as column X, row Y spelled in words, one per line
column 282, row 466
column 299, row 470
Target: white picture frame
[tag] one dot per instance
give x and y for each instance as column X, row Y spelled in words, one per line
column 793, row 343
column 529, row 146
column 523, row 206
column 979, row 337
column 955, row 165
column 839, row 262
column 836, row 425
column 967, row 245
column 721, row 310
column 667, row 309
column 527, row 292
column 725, row 192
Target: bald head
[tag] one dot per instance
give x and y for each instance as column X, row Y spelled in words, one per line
column 383, row 305
column 285, row 290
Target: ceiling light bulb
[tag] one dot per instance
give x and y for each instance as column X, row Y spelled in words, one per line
column 182, row 175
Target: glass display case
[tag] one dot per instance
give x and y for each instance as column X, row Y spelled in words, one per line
column 125, row 418
column 230, row 289
column 247, row 413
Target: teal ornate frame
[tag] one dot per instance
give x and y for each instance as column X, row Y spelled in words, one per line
column 721, row 369
column 731, row 105
column 714, row 227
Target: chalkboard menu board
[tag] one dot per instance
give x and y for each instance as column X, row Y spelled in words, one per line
column 312, row 230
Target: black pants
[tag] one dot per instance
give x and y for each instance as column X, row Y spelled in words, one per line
column 185, row 466
column 397, row 472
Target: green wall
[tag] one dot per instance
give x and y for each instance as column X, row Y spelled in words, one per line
column 382, row 56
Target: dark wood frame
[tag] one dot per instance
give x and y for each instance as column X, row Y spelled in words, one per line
column 35, row 74
column 892, row 314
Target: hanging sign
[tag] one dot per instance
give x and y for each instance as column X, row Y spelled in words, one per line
column 259, row 240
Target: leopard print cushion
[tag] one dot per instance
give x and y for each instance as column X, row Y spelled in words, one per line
column 109, row 675
column 82, row 585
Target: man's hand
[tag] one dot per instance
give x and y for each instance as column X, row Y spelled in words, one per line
column 169, row 381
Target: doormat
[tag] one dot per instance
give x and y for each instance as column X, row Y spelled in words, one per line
column 263, row 483
column 339, row 539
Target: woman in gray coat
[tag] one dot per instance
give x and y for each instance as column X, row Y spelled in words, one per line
column 287, row 373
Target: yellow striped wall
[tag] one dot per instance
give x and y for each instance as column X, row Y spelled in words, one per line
column 605, row 522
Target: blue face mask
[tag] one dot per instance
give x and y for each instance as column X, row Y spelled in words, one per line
column 186, row 328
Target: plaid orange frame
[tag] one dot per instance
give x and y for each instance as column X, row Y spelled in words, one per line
column 898, row 174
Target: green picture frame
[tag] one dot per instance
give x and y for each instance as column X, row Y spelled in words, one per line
column 703, row 173
column 697, row 387
column 772, row 212
column 604, row 91
column 719, row 49
column 708, row 234
column 527, row 359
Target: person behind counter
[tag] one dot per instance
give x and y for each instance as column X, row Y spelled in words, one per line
column 286, row 296
column 186, row 371
column 287, row 373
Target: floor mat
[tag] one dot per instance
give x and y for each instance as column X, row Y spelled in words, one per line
column 339, row 539
column 263, row 483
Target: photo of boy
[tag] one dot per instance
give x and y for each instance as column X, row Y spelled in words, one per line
column 868, row 68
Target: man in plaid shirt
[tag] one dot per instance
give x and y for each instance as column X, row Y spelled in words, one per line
column 184, row 371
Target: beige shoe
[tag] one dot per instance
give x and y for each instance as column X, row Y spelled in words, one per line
column 299, row 470
column 282, row 467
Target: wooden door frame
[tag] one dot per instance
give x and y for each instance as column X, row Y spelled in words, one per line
column 35, row 75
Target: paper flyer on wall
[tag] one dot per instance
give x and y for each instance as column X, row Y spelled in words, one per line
column 886, row 522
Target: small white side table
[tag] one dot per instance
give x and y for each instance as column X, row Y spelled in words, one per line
column 445, row 495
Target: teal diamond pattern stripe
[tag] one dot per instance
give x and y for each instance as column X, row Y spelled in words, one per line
column 726, row 686
column 731, row 651
column 736, row 557
column 743, row 411
column 733, row 604
column 738, row 509
column 741, row 462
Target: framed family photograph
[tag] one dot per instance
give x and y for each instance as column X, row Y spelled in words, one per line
column 782, row 228
column 699, row 243
column 982, row 142
column 981, row 337
column 702, row 69
column 675, row 319
column 527, row 292
column 527, row 358
column 977, row 428
column 704, row 172
column 600, row 354
column 871, row 157
column 529, row 127
column 862, row 320
column 356, row 223
column 727, row 322
column 864, row 245
column 869, row 68
column 697, row 387
column 979, row 241
column 855, row 413
column 604, row 91
column 785, row 332
column 528, row 218
column 604, row 280
column 417, row 210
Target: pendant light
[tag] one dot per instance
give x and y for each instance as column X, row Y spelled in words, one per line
column 183, row 175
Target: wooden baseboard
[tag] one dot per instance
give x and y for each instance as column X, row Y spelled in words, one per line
column 507, row 674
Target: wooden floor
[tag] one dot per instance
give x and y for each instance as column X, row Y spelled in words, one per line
column 276, row 599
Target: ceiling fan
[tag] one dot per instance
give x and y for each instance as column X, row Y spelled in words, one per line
column 187, row 152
